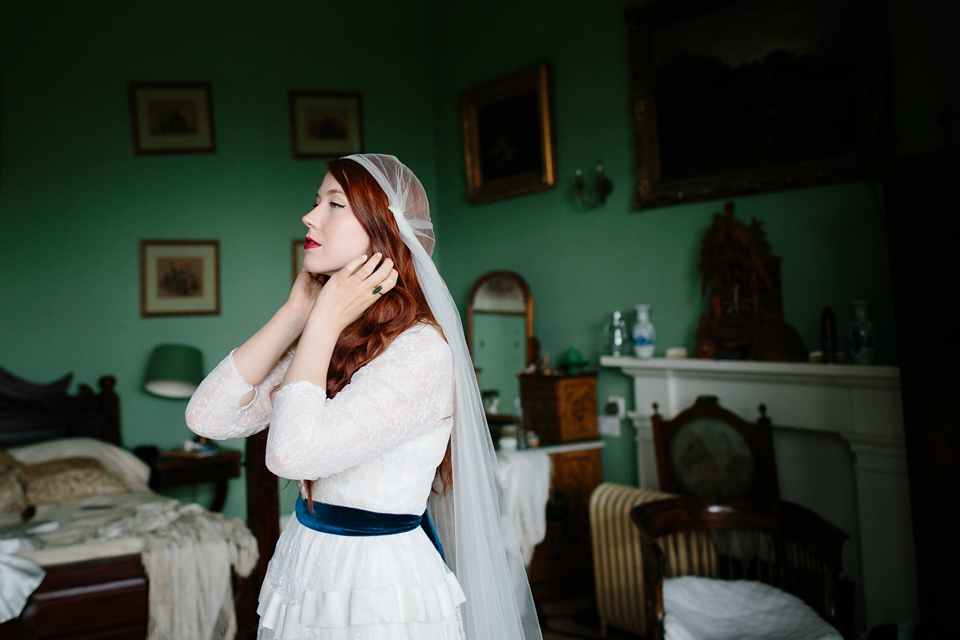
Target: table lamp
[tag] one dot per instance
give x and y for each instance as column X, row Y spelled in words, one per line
column 174, row 371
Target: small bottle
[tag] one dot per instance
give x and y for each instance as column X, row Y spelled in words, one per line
column 616, row 340
column 644, row 335
column 862, row 336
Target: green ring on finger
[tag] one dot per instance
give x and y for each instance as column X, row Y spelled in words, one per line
column 377, row 290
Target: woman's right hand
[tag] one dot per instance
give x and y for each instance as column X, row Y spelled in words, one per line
column 306, row 288
column 256, row 357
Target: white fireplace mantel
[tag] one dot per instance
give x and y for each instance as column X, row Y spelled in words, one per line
column 859, row 481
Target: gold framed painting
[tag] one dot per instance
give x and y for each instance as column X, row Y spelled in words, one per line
column 326, row 124
column 508, row 136
column 172, row 118
column 179, row 277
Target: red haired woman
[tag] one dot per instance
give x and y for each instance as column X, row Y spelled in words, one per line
column 374, row 412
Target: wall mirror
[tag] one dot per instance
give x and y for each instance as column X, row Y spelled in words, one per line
column 500, row 335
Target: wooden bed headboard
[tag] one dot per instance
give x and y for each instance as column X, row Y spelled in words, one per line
column 31, row 412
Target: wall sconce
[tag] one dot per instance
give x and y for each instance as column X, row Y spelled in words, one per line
column 602, row 186
column 174, row 371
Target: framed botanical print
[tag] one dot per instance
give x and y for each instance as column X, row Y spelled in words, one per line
column 325, row 124
column 172, row 118
column 179, row 277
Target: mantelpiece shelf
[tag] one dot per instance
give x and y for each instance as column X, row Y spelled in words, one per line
column 804, row 369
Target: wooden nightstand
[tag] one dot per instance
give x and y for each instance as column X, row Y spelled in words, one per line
column 172, row 469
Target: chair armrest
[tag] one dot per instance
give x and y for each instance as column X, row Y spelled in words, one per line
column 617, row 557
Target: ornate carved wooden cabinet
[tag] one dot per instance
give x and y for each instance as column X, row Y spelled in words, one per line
column 559, row 408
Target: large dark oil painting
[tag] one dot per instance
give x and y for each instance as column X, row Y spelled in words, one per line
column 741, row 96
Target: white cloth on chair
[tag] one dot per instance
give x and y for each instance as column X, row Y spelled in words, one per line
column 526, row 481
column 707, row 609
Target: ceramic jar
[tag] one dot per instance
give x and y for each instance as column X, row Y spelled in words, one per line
column 644, row 334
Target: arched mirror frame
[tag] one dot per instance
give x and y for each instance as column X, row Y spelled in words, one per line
column 528, row 303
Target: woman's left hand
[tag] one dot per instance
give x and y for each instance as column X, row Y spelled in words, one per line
column 352, row 290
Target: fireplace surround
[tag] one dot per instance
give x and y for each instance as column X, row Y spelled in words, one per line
column 839, row 447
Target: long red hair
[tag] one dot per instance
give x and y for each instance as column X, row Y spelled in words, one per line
column 404, row 306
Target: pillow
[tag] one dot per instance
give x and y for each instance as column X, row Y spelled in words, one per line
column 11, row 493
column 67, row 479
column 7, row 462
column 118, row 461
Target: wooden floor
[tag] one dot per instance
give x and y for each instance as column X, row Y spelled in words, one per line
column 575, row 618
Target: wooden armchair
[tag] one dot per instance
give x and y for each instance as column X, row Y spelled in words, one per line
column 780, row 543
column 708, row 450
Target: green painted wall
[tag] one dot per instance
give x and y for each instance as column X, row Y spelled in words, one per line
column 75, row 201
column 583, row 265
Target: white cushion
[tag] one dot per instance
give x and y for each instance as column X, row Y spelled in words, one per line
column 707, row 609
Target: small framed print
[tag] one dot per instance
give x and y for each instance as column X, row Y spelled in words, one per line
column 172, row 118
column 325, row 124
column 298, row 253
column 179, row 277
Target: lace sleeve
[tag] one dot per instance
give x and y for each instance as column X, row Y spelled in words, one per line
column 402, row 393
column 215, row 412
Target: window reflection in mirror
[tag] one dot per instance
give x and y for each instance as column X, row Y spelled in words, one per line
column 500, row 332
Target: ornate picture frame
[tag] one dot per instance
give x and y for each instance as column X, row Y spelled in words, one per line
column 325, row 124
column 179, row 277
column 170, row 118
column 746, row 96
column 508, row 136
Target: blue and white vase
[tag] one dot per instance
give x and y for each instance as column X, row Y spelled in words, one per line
column 644, row 334
column 862, row 337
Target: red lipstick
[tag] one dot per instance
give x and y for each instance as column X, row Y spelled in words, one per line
column 310, row 243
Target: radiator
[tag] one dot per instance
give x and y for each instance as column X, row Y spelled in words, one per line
column 617, row 564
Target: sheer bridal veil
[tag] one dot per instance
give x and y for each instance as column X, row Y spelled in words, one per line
column 471, row 518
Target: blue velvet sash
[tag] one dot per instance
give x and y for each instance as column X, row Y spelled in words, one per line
column 348, row 521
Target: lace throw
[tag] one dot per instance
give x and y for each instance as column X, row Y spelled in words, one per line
column 187, row 557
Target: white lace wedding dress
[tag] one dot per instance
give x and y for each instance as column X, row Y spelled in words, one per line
column 374, row 446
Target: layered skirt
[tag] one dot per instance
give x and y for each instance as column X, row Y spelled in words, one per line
column 321, row 586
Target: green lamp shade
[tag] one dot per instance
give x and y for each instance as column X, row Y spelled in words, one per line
column 174, row 371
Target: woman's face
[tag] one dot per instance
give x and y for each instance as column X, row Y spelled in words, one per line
column 334, row 235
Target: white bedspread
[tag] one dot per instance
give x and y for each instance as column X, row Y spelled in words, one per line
column 707, row 609
column 18, row 578
column 187, row 554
